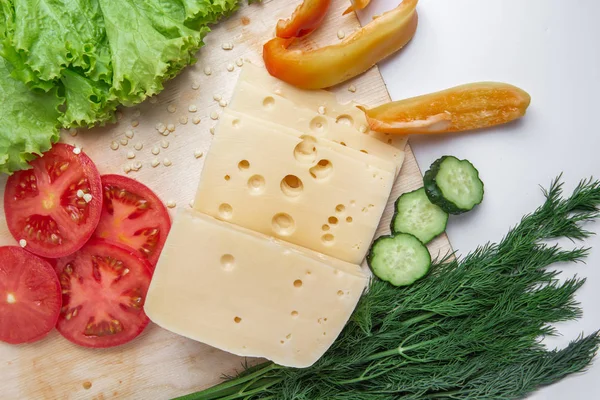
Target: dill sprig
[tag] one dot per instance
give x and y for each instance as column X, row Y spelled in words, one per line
column 471, row 329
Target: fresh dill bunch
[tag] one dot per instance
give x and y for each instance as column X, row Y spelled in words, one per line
column 471, row 329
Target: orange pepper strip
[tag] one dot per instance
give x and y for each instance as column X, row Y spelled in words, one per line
column 330, row 65
column 461, row 108
column 306, row 18
column 356, row 5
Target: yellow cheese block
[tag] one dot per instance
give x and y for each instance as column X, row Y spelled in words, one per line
column 294, row 188
column 314, row 100
column 259, row 102
column 249, row 294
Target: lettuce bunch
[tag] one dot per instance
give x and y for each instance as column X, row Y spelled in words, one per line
column 70, row 63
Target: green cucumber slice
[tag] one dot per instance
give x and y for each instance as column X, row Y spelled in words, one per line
column 416, row 215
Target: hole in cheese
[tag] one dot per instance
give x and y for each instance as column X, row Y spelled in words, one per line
column 225, row 211
column 333, row 220
column 256, row 184
column 298, row 283
column 344, row 119
column 327, row 239
column 268, row 102
column 364, row 151
column 227, row 261
column 322, row 170
column 325, row 227
column 236, row 123
column 227, row 177
column 283, row 224
column 340, row 208
column 237, row 320
column 348, row 219
column 340, row 293
column 292, row 186
column 294, row 314
column 305, row 152
column 318, row 125
column 244, row 164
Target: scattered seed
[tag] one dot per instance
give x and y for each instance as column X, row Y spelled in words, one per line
column 129, row 134
column 191, row 204
column 114, row 145
column 126, row 168
column 341, row 34
column 130, row 155
column 207, row 70
column 87, row 197
column 352, row 88
column 230, row 67
column 183, row 120
column 155, row 150
column 196, row 120
column 135, row 123
column 227, row 46
column 192, row 108
column 239, row 62
column 137, row 165
column 22, row 242
column 223, row 103
column 363, row 129
column 80, row 193
column 171, row 108
column 198, row 154
column 217, row 97
column 138, row 146
column 73, row 132
column 155, row 163
column 160, row 127
column 124, row 141
column 214, row 115
column 195, row 85
column 171, row 128
column 136, row 113
column 76, row 150
column 171, row 204
column 212, row 130
column 321, row 110
column 167, row 162
column 164, row 144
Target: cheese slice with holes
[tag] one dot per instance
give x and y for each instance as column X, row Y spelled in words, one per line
column 261, row 103
column 315, row 100
column 295, row 188
column 249, row 294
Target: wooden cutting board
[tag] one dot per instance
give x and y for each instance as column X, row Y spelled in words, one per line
column 160, row 364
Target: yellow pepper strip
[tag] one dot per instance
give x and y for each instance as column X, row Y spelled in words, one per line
column 330, row 65
column 356, row 5
column 306, row 18
column 461, row 108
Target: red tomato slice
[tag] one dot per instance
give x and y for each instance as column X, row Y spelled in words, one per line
column 30, row 297
column 134, row 216
column 104, row 287
column 49, row 205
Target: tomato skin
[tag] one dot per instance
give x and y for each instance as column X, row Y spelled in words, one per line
column 30, row 298
column 134, row 216
column 42, row 205
column 104, row 287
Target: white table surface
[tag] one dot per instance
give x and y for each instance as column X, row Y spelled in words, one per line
column 550, row 48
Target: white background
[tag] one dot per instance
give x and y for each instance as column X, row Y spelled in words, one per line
column 550, row 48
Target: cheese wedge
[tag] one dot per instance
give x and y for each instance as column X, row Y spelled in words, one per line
column 298, row 189
column 261, row 103
column 248, row 294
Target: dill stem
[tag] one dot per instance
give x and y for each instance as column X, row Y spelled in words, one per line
column 418, row 318
column 400, row 350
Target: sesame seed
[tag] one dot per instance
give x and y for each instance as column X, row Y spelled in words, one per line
column 183, row 120
column 135, row 123
column 87, row 197
column 196, row 120
column 217, row 97
column 114, row 145
column 171, row 128
column 129, row 134
column 126, row 168
column 171, row 204
column 230, row 67
column 198, row 154
column 137, row 165
column 223, row 103
column 214, row 115
column 352, row 88
column 171, row 108
column 160, row 127
column 167, row 162
column 195, row 86
column 73, row 132
column 363, row 129
column 164, row 144
column 227, row 46
column 239, row 62
column 321, row 110
column 341, row 34
column 80, row 193
column 76, row 150
column 192, row 108
column 138, row 146
column 22, row 242
column 207, row 70
column 130, row 154
column 212, row 130
column 155, row 150
column 191, row 204
column 124, row 141
column 155, row 163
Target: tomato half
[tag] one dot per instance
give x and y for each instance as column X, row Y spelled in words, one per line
column 55, row 206
column 104, row 287
column 30, row 297
column 134, row 216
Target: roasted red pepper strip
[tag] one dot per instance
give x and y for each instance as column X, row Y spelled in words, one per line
column 330, row 65
column 356, row 5
column 306, row 18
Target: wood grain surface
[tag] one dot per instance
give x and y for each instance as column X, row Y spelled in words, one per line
column 159, row 364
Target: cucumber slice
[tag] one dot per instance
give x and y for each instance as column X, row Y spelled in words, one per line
column 453, row 185
column 400, row 259
column 416, row 215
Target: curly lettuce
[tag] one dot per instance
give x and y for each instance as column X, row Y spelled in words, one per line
column 71, row 63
